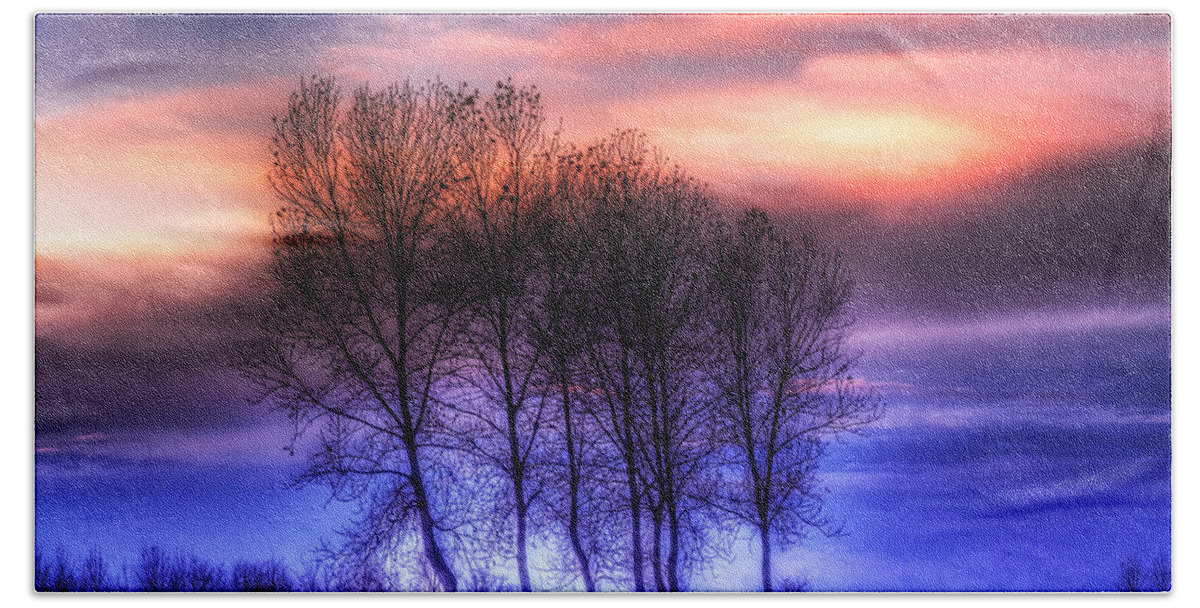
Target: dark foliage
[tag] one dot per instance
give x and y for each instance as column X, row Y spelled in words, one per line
column 1135, row 576
column 266, row 576
column 158, row 571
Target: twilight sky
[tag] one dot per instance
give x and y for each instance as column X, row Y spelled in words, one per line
column 1000, row 186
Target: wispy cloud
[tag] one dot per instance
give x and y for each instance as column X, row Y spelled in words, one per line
column 1009, row 326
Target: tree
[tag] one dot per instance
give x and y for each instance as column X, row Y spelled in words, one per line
column 363, row 324
column 647, row 223
column 1131, row 575
column 557, row 327
column 503, row 189
column 491, row 338
column 1156, row 577
column 782, row 379
column 1160, row 573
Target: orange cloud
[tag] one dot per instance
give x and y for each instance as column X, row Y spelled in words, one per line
column 185, row 170
column 1059, row 89
column 170, row 172
column 911, row 125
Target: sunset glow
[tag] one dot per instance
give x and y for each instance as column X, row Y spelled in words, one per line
column 997, row 188
column 828, row 145
column 883, row 126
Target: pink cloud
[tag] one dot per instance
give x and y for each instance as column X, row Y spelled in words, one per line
column 956, row 102
column 170, row 171
column 680, row 35
column 929, row 115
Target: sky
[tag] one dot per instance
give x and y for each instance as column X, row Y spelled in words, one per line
column 998, row 185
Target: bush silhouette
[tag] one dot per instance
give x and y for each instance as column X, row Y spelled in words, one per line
column 158, row 571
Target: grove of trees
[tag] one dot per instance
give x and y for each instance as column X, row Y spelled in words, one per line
column 504, row 346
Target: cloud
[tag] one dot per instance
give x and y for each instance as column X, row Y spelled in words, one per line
column 829, row 108
column 1024, row 503
column 1018, row 326
column 161, row 173
column 84, row 58
column 81, row 393
column 1049, row 488
column 788, row 97
column 919, row 125
column 132, row 344
column 254, row 444
column 718, row 49
column 141, row 302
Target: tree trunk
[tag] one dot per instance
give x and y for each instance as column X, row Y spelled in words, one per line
column 673, row 546
column 573, row 480
column 635, row 515
column 433, row 552
column 518, row 479
column 584, row 567
column 630, row 455
column 522, row 552
column 764, row 533
column 656, row 559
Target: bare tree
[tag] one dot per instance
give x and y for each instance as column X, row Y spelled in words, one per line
column 666, row 309
column 557, row 325
column 1160, row 573
column 612, row 181
column 1156, row 577
column 269, row 576
column 491, row 340
column 504, row 187
column 647, row 224
column 95, row 573
column 363, row 323
column 782, row 380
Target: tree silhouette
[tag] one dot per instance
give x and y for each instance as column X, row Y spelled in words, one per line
column 1131, row 575
column 647, row 223
column 364, row 326
column 781, row 377
column 1154, row 577
column 1160, row 573
column 503, row 187
column 493, row 338
column 558, row 324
